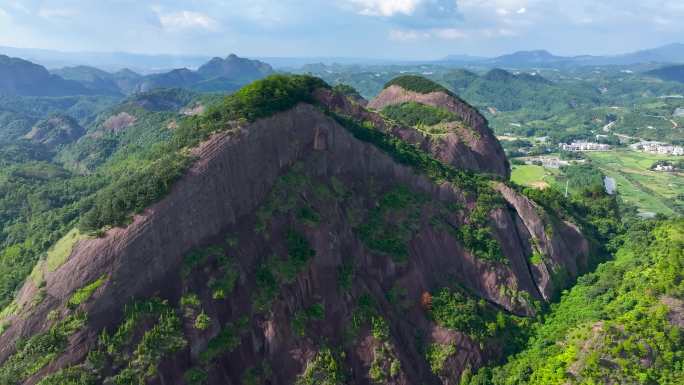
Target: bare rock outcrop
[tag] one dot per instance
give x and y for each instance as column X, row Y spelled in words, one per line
column 559, row 244
column 55, row 131
column 221, row 196
column 471, row 146
column 119, row 122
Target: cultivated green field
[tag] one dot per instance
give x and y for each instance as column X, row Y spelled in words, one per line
column 532, row 176
column 650, row 191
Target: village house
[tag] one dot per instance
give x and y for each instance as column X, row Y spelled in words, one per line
column 584, row 146
column 658, row 148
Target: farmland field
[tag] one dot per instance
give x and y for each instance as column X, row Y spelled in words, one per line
column 532, row 175
column 650, row 191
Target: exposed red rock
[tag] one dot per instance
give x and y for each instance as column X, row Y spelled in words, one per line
column 119, row 122
column 476, row 148
column 220, row 195
column 472, row 148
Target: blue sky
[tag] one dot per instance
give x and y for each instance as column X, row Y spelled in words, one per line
column 400, row 29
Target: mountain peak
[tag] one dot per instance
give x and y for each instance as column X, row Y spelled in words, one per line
column 541, row 53
column 498, row 74
column 417, row 83
column 22, row 77
column 527, row 58
column 235, row 68
column 288, row 201
column 478, row 149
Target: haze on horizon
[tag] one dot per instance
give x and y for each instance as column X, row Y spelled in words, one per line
column 398, row 29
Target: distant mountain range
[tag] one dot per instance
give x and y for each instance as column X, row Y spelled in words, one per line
column 23, row 78
column 157, row 63
column 672, row 73
column 123, row 81
column 671, row 53
column 109, row 61
column 217, row 74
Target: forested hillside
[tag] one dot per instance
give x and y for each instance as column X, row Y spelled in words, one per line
column 47, row 186
column 672, row 73
column 621, row 324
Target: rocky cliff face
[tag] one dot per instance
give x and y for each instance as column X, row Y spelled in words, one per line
column 325, row 251
column 472, row 147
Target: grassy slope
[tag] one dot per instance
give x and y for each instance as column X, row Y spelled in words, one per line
column 532, row 175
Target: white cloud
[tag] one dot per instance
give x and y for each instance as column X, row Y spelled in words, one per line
column 409, row 14
column 18, row 6
column 57, row 13
column 386, row 7
column 521, row 11
column 187, row 20
column 407, row 35
column 450, row 34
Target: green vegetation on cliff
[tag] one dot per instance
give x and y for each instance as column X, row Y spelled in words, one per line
column 415, row 114
column 150, row 332
column 392, row 224
column 620, row 324
column 39, row 350
column 455, row 309
column 265, row 97
column 475, row 235
column 152, row 178
column 324, row 369
column 418, row 84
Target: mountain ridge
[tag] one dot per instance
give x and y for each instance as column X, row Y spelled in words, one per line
column 669, row 73
column 670, row 53
column 300, row 151
column 23, row 78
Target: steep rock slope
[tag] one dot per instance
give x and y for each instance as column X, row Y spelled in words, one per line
column 470, row 146
column 317, row 256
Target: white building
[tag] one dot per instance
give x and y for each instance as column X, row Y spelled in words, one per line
column 546, row 161
column 584, row 146
column 658, row 148
column 664, row 167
